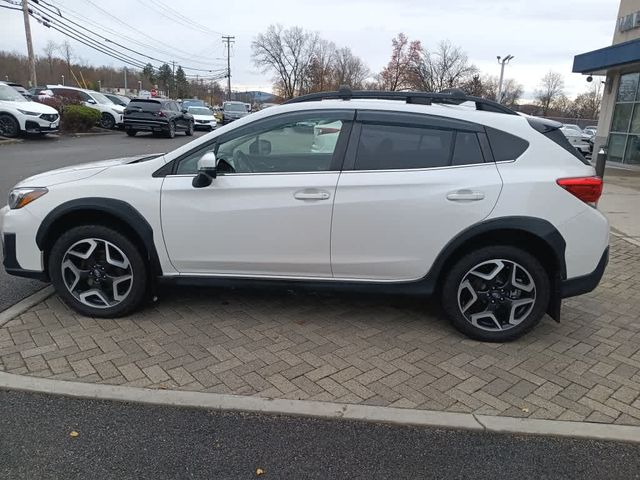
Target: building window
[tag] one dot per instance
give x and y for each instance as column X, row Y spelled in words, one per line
column 624, row 139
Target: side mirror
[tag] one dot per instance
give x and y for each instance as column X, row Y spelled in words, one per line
column 207, row 170
column 91, row 101
column 184, row 110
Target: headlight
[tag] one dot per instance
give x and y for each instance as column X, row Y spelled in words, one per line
column 19, row 197
column 27, row 112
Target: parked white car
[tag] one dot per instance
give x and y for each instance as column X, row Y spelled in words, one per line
column 21, row 115
column 493, row 212
column 111, row 114
column 203, row 117
column 578, row 139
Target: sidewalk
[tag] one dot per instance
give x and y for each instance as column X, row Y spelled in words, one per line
column 620, row 202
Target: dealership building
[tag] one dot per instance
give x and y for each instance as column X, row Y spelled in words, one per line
column 619, row 122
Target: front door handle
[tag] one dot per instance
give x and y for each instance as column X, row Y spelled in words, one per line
column 311, row 194
column 465, row 196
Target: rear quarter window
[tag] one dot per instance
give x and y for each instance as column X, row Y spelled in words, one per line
column 505, row 147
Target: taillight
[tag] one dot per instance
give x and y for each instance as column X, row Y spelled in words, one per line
column 326, row 130
column 160, row 114
column 587, row 189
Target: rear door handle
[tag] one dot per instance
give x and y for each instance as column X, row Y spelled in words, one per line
column 311, row 194
column 465, row 196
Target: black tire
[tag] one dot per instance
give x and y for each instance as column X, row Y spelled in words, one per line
column 139, row 271
column 189, row 131
column 452, row 287
column 132, row 133
column 171, row 132
column 9, row 126
column 107, row 121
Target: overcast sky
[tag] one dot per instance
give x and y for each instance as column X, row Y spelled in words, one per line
column 541, row 34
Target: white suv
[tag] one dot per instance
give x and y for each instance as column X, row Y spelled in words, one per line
column 421, row 194
column 111, row 115
column 20, row 115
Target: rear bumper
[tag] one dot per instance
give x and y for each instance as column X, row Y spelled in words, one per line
column 585, row 283
column 146, row 125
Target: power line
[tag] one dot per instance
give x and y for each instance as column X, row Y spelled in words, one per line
column 48, row 10
column 161, row 8
column 140, row 32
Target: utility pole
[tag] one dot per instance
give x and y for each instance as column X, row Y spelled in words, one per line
column 32, row 57
column 125, row 80
column 228, row 40
column 502, row 63
column 173, row 76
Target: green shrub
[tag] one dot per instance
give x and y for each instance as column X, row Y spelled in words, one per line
column 78, row 118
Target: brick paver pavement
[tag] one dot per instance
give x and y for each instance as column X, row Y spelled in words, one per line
column 390, row 351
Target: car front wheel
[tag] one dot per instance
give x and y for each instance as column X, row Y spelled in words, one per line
column 496, row 294
column 189, row 131
column 132, row 133
column 98, row 271
column 9, row 126
column 107, row 121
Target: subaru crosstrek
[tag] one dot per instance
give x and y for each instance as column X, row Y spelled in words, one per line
column 415, row 193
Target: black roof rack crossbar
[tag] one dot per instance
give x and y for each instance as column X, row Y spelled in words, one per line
column 451, row 97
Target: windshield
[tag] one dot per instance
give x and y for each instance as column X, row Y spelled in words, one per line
column 98, row 97
column 200, row 111
column 235, row 107
column 9, row 94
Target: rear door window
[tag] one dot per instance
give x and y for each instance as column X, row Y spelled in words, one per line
column 467, row 149
column 391, row 147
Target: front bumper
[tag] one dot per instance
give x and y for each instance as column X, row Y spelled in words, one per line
column 10, row 260
column 585, row 283
column 205, row 124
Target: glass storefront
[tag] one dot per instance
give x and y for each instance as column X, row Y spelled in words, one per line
column 624, row 139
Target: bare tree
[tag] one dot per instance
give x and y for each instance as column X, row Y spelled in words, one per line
column 450, row 66
column 49, row 51
column 67, row 52
column 395, row 76
column 551, row 89
column 511, row 90
column 287, row 53
column 587, row 104
column 319, row 73
column 348, row 69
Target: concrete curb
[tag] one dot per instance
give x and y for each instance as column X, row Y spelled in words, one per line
column 25, row 304
column 10, row 141
column 327, row 410
column 622, row 236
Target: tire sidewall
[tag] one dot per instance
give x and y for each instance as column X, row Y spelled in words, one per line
column 171, row 132
column 190, row 129
column 5, row 117
column 454, row 277
column 107, row 121
column 138, row 265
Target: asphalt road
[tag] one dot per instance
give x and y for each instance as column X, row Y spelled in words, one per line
column 39, row 154
column 140, row 441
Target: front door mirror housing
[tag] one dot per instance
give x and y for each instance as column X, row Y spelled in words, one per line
column 207, row 170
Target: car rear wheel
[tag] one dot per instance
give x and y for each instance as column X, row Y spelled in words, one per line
column 107, row 121
column 189, row 131
column 98, row 271
column 496, row 294
column 9, row 126
column 171, row 132
column 132, row 133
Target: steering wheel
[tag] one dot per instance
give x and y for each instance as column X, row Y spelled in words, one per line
column 241, row 162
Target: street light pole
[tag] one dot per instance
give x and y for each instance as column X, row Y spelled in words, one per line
column 502, row 63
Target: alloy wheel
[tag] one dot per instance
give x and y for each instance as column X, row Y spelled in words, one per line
column 97, row 273
column 496, row 295
column 8, row 126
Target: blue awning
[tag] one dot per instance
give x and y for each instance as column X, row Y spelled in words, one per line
column 609, row 57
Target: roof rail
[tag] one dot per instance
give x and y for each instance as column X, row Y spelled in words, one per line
column 451, row 96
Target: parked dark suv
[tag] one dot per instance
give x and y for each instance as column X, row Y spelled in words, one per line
column 156, row 116
column 232, row 111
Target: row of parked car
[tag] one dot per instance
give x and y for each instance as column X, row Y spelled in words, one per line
column 25, row 111
column 581, row 139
